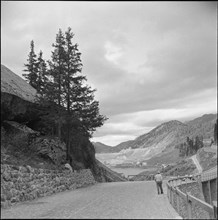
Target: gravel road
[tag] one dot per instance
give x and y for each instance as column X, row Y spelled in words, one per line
column 104, row 200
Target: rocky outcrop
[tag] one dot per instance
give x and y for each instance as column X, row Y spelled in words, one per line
column 15, row 85
column 17, row 98
column 23, row 183
column 14, row 128
column 50, row 148
column 17, row 109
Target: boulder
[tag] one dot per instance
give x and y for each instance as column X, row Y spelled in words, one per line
column 67, row 166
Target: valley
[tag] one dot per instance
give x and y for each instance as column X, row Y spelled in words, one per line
column 156, row 148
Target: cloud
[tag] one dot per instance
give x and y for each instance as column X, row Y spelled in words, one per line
column 113, row 53
column 147, row 60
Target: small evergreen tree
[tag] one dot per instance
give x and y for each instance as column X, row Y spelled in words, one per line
column 42, row 79
column 31, row 67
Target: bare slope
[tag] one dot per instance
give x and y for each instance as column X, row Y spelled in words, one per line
column 13, row 84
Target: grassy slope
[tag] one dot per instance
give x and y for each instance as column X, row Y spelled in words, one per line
column 207, row 158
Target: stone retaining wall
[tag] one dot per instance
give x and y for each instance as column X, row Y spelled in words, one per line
column 197, row 212
column 19, row 183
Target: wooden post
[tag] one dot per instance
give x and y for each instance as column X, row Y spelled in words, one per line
column 189, row 205
column 171, row 194
column 172, row 197
column 208, row 185
column 177, row 203
column 215, row 209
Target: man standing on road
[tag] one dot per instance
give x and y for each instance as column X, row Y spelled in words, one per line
column 158, row 179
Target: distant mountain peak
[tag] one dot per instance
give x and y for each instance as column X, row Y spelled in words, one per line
column 169, row 133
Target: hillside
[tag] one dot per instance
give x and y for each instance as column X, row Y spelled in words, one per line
column 169, row 133
column 162, row 132
column 158, row 145
column 102, row 148
column 203, row 125
column 23, row 140
column 13, row 84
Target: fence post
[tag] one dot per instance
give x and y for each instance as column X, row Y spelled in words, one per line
column 189, row 205
column 173, row 197
column 170, row 194
column 215, row 209
column 177, row 201
column 208, row 185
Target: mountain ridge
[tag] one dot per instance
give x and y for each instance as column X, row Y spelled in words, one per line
column 175, row 130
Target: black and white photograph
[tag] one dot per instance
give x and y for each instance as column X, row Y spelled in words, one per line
column 109, row 109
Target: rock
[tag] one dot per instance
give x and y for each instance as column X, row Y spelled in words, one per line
column 15, row 128
column 6, row 176
column 17, row 98
column 13, row 84
column 67, row 166
column 15, row 174
column 29, row 169
column 8, row 195
column 51, row 148
column 14, row 199
column 22, row 169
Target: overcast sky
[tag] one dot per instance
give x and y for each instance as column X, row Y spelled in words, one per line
column 150, row 62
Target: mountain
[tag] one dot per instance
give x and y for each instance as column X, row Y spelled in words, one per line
column 203, row 125
column 163, row 131
column 158, row 145
column 123, row 145
column 102, row 148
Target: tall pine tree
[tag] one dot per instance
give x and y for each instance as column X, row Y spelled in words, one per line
column 74, row 109
column 57, row 71
column 79, row 98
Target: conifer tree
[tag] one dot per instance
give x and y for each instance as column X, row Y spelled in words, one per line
column 57, row 71
column 79, row 98
column 31, row 67
column 42, row 80
column 73, row 107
